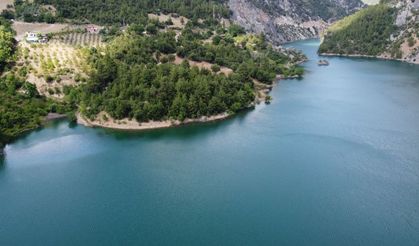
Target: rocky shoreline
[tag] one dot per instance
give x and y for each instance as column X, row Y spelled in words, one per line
column 129, row 124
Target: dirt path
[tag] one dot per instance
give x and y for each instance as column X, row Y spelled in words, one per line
column 22, row 27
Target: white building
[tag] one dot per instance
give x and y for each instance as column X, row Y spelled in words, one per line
column 32, row 37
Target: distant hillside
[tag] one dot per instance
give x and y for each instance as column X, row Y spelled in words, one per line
column 111, row 12
column 284, row 21
column 281, row 21
column 388, row 30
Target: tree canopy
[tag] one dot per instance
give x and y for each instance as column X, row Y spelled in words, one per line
column 367, row 32
column 121, row 12
column 136, row 76
column 6, row 43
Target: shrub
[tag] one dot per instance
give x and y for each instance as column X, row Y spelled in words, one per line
column 215, row 68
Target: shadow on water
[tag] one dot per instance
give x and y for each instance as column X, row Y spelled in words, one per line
column 186, row 132
column 72, row 124
column 2, row 157
column 55, row 124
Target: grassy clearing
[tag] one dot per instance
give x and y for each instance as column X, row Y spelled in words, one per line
column 177, row 21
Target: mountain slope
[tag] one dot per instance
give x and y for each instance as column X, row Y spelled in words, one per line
column 285, row 20
column 388, row 30
column 280, row 20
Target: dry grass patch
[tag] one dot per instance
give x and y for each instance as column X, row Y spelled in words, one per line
column 4, row 3
column 206, row 65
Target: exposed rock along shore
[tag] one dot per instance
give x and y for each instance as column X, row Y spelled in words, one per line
column 105, row 121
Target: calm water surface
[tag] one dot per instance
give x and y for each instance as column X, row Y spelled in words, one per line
column 334, row 160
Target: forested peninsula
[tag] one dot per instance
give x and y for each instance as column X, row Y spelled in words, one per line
column 133, row 64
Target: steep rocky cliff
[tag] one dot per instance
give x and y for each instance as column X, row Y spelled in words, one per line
column 389, row 30
column 290, row 20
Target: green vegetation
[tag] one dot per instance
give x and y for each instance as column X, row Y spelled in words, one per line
column 131, row 89
column 120, row 12
column 21, row 107
column 18, row 112
column 135, row 77
column 367, row 32
column 31, row 11
column 149, row 71
column 6, row 43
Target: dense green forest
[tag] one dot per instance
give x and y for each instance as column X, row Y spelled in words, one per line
column 230, row 48
column 367, row 32
column 135, row 77
column 18, row 112
column 120, row 12
column 22, row 108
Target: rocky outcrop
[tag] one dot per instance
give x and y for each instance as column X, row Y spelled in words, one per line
column 289, row 20
column 406, row 38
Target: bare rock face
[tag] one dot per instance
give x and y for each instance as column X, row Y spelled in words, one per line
column 407, row 37
column 405, row 40
column 289, row 20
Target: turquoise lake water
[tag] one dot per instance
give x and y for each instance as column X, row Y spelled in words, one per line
column 334, row 160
